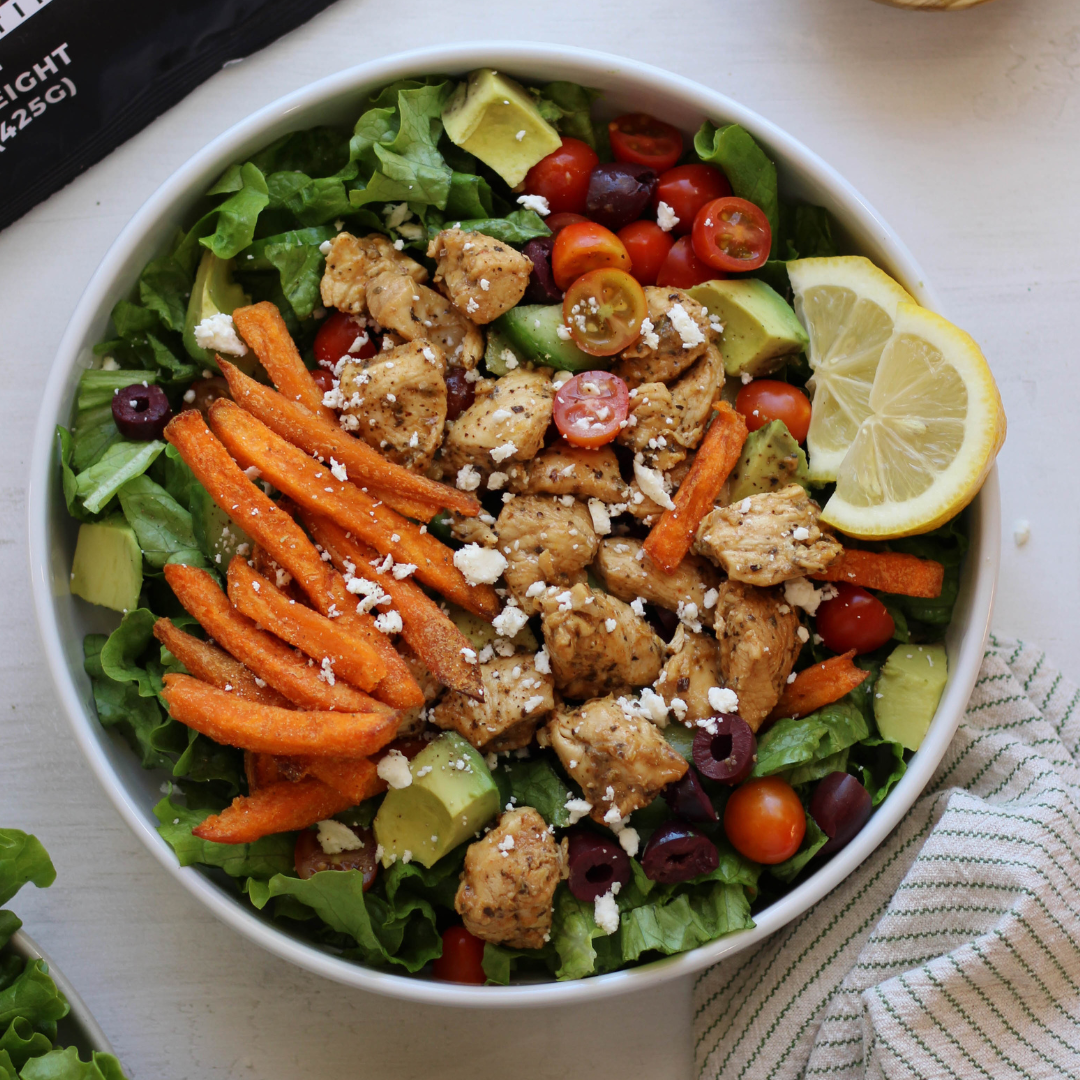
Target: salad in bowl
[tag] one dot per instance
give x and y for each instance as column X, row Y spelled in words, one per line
column 534, row 541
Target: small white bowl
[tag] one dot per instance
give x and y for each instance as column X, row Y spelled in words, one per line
column 64, row 620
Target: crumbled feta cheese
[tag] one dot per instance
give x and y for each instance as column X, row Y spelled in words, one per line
column 654, row 707
column 110, row 363
column 651, row 482
column 800, row 593
column 610, row 625
column 469, row 655
column 744, row 506
column 601, row 519
column 577, row 808
column 605, row 909
column 510, row 621
column 685, row 326
column 402, row 570
column 485, row 284
column 746, row 378
column 394, row 768
column 468, row 478
column 648, row 332
column 679, row 708
column 506, row 844
column 509, row 359
column 481, row 566
column 711, row 596
column 337, row 470
column 542, row 661
column 216, row 333
column 564, row 331
column 325, row 246
column 536, row 203
column 723, row 700
column 802, row 634
column 472, row 307
column 395, row 215
column 533, row 703
column 326, row 671
column 336, row 837
column 497, row 480
column 389, row 622
column 666, row 217
column 687, row 611
column 537, row 588
column 1021, row 532
column 189, row 396
column 800, row 532
column 501, row 453
column 520, row 135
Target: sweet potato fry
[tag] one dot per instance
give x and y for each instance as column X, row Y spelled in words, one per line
column 417, row 495
column 356, row 780
column 818, row 686
column 272, row 660
column 215, row 666
column 350, row 656
column 889, row 571
column 311, row 485
column 276, row 808
column 430, row 633
column 261, row 770
column 250, row 726
column 671, row 537
column 273, row 529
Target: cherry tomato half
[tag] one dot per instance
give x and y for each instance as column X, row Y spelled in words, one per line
column 764, row 820
column 310, row 858
column 589, row 408
column 557, row 222
column 324, row 379
column 687, row 188
column 462, row 959
column 644, row 140
column 682, row 269
column 604, row 310
column 337, row 335
column 854, row 619
column 563, row 176
column 732, row 234
column 582, row 247
column 648, row 246
column 765, row 400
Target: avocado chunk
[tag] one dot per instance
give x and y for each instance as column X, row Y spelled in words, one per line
column 532, row 333
column 107, row 568
column 771, row 459
column 908, row 691
column 452, row 796
column 214, row 293
column 760, row 328
column 481, row 633
column 494, row 118
column 219, row 539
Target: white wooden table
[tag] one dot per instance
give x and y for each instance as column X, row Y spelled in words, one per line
column 963, row 130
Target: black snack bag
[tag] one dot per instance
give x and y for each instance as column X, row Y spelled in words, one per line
column 79, row 77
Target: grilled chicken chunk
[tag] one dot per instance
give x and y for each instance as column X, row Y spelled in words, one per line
column 693, row 396
column 564, row 469
column 768, row 538
column 626, row 575
column 691, row 671
column 517, row 698
column 353, row 261
column 483, row 276
column 508, row 884
column 506, row 423
column 396, row 402
column 621, row 761
column 653, row 424
column 673, row 353
column 412, row 720
column 597, row 643
column 471, row 530
column 546, row 542
column 759, row 643
column 645, row 509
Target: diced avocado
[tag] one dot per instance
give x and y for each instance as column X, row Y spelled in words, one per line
column 771, row 459
column 760, row 328
column 215, row 532
column 907, row 692
column 214, row 293
column 107, row 568
column 531, row 331
column 482, row 633
column 494, row 118
column 452, row 796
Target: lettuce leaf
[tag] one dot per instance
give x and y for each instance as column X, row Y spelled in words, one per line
column 122, row 461
column 518, row 227
column 23, row 858
column 879, row 764
column 236, row 218
column 65, row 1064
column 161, row 524
column 33, row 996
column 947, row 545
column 534, row 783
column 98, row 386
column 21, row 1042
column 568, row 107
column 790, row 743
column 812, row 842
column 93, row 432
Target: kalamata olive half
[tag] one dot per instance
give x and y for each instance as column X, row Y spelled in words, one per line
column 725, row 749
column 677, row 851
column 542, row 288
column 596, row 863
column 618, row 193
column 141, row 412
column 688, row 799
column 841, row 806
column 460, row 393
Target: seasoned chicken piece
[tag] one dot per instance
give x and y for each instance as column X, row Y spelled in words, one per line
column 626, row 575
column 564, row 469
column 506, row 423
column 517, row 698
column 396, row 402
column 597, row 643
column 681, row 325
column 621, row 761
column 653, row 423
column 693, row 396
column 691, row 671
column 412, row 720
column 483, row 276
column 644, row 508
column 767, row 538
column 508, row 885
column 471, row 530
column 759, row 643
column 398, row 303
column 546, row 542
column 353, row 261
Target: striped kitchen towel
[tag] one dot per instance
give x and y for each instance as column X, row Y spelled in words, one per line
column 954, row 949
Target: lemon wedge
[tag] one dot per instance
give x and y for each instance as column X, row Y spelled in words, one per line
column 847, row 306
column 934, row 426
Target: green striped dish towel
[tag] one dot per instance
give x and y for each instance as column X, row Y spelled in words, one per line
column 954, row 949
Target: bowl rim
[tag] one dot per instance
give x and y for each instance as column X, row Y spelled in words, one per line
column 519, row 56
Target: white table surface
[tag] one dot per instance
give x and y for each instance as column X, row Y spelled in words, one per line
column 963, row 130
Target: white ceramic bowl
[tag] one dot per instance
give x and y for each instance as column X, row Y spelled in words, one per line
column 64, row 620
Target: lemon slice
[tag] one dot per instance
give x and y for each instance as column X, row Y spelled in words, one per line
column 935, row 425
column 847, row 306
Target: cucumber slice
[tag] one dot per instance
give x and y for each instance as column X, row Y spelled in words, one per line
column 532, row 333
column 495, row 355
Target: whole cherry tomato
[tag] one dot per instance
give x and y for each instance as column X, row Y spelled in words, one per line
column 686, row 189
column 765, row 400
column 310, row 858
column 324, row 379
column 462, row 959
column 682, row 269
column 338, row 336
column 589, row 408
column 563, row 176
column 732, row 235
column 853, row 619
column 764, row 820
column 604, row 310
column 648, row 246
column 644, row 140
column 585, row 246
column 557, row 222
